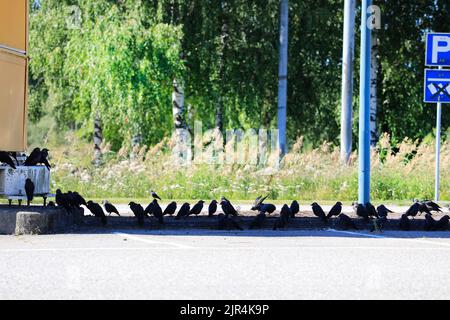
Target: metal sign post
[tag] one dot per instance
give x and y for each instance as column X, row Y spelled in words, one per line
column 437, row 87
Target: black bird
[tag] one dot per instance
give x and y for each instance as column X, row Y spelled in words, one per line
column 413, row 210
column 157, row 211
column 432, row 206
column 423, row 208
column 62, row 201
column 29, row 190
column 43, row 158
column 197, row 208
column 170, row 209
column 212, row 208
column 227, row 223
column 282, row 221
column 110, row 208
column 383, row 211
column 258, row 222
column 442, row 224
column 430, row 223
column 228, row 208
column 51, row 204
column 138, row 211
column 361, row 211
column 5, row 158
column 405, row 224
column 97, row 211
column 295, row 208
column 34, row 158
column 335, row 210
column 346, row 222
column 371, row 211
column 149, row 209
column 79, row 200
column 184, row 211
column 155, row 196
column 258, row 202
column 318, row 212
column 267, row 208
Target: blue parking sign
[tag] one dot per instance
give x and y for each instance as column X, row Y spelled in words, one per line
column 438, row 50
column 437, row 86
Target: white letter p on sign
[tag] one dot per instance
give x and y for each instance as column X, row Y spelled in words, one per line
column 438, row 47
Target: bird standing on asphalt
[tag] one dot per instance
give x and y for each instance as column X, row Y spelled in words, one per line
column 282, row 221
column 170, row 209
column 430, row 223
column 212, row 208
column 5, row 158
column 97, row 211
column 184, row 211
column 110, row 208
column 197, row 208
column 138, row 211
column 335, row 210
column 155, row 196
column 29, row 190
column 295, row 208
column 318, row 212
column 346, row 222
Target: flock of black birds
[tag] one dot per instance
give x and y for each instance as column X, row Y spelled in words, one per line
column 227, row 219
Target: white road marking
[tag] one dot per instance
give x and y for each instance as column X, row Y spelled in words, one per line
column 392, row 238
column 135, row 238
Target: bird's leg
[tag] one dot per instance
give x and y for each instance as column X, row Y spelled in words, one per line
column 45, row 201
column 20, row 202
column 10, row 202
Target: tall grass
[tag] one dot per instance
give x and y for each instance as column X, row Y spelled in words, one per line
column 405, row 174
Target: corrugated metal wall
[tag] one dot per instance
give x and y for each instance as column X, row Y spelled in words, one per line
column 13, row 74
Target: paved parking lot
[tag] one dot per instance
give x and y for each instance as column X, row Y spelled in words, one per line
column 226, row 265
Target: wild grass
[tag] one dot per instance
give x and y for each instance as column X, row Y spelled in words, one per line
column 399, row 172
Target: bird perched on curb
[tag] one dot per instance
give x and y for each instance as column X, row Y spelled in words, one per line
column 212, row 208
column 110, row 208
column 282, row 221
column 197, row 208
column 170, row 209
column 157, row 211
column 318, row 212
column 371, row 211
column 97, row 211
column 138, row 211
column 346, row 222
column 361, row 212
column 430, row 223
column 29, row 190
column 432, row 206
column 335, row 211
column 228, row 208
column 184, row 211
column 62, row 201
column 79, row 199
column 383, row 211
column 405, row 224
column 149, row 209
column 155, row 196
column 6, row 158
column 413, row 210
column 295, row 208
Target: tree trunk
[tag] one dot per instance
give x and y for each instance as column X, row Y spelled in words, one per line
column 178, row 105
column 98, row 139
column 374, row 88
column 223, row 45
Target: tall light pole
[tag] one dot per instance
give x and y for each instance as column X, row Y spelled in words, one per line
column 347, row 80
column 282, row 75
column 364, row 106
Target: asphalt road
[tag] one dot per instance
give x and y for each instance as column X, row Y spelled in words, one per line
column 226, row 265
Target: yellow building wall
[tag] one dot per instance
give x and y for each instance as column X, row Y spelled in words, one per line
column 13, row 74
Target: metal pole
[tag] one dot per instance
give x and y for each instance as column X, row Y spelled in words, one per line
column 347, row 80
column 282, row 81
column 364, row 108
column 438, row 149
